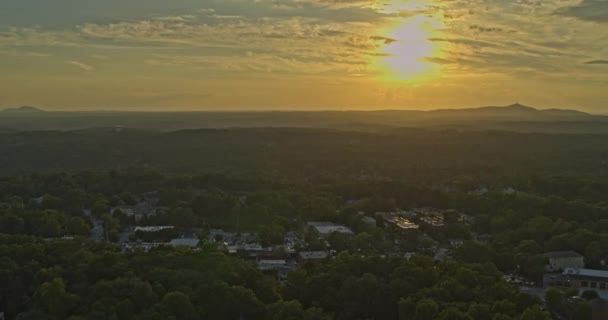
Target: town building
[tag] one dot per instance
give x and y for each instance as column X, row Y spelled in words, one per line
column 185, row 242
column 578, row 278
column 456, row 242
column 153, row 228
column 562, row 260
column 313, row 255
column 430, row 216
column 368, row 220
column 271, row 263
column 433, row 220
column 324, row 229
column 402, row 223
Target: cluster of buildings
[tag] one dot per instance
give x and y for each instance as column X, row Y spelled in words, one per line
column 399, row 219
column 413, row 219
column 279, row 258
column 567, row 269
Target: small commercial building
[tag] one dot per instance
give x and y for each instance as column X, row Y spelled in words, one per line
column 578, row 278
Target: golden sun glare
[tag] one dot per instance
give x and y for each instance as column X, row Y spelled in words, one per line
column 406, row 52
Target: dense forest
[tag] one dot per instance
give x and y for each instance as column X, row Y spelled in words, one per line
column 71, row 200
column 51, row 269
column 307, row 153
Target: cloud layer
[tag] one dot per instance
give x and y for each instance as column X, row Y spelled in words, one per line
column 292, row 41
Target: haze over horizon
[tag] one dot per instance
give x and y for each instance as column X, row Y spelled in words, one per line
column 303, row 54
column 513, row 106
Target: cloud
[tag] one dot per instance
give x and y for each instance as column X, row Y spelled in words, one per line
column 589, row 10
column 16, row 53
column 597, row 62
column 82, row 66
column 183, row 18
column 485, row 29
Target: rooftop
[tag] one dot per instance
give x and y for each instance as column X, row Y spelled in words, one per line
column 185, row 242
column 313, row 255
column 152, row 228
column 562, row 254
column 329, row 227
column 587, row 272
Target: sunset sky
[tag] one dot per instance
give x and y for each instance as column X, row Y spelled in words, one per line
column 303, row 54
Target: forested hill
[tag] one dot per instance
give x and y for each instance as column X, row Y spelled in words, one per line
column 307, row 152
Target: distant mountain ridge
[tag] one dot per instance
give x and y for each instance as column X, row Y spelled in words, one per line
column 515, row 117
column 514, row 112
column 23, row 109
column 514, row 109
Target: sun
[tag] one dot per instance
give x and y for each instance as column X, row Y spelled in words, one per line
column 407, row 50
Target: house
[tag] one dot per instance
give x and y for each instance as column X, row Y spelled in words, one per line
column 479, row 191
column 431, row 216
column 324, row 229
column 508, row 191
column 368, row 220
column 456, row 242
column 313, row 255
column 269, row 264
column 482, row 238
column 271, row 260
column 185, row 242
column 152, row 228
column 433, row 220
column 562, row 260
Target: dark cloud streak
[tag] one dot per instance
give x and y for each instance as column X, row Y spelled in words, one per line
column 588, row 10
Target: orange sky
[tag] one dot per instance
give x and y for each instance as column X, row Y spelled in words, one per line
column 303, row 54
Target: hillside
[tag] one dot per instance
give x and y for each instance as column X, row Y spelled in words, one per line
column 516, row 117
column 22, row 109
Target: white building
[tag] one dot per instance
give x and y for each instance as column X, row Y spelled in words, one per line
column 153, row 228
column 562, row 260
column 369, row 220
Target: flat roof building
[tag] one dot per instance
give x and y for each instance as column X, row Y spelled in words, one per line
column 326, row 228
column 153, row 228
column 313, row 255
column 579, row 278
column 185, row 242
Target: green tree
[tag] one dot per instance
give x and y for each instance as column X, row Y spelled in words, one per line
column 480, row 311
column 453, row 314
column 535, row 313
column 54, row 299
column 590, row 295
column 178, row 304
column 426, row 309
column 407, row 309
column 554, row 298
